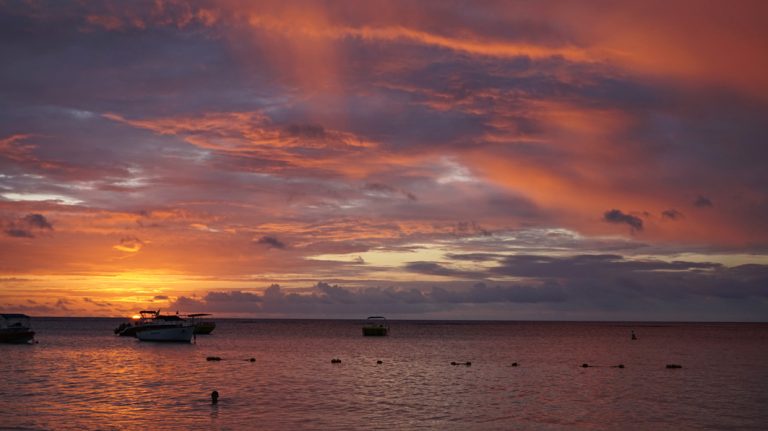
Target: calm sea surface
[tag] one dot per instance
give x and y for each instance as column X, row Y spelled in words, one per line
column 82, row 377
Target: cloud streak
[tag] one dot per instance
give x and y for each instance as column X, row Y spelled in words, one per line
column 617, row 216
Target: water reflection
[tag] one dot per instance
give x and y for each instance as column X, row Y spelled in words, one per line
column 80, row 376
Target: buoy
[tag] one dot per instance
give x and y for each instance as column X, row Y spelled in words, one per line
column 379, row 362
column 514, row 364
column 585, row 365
column 214, row 397
column 674, row 366
column 213, row 358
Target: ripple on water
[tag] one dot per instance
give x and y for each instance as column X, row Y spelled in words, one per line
column 81, row 377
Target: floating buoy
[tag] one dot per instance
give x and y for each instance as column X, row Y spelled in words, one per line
column 514, row 364
column 379, row 362
column 214, row 397
column 585, row 365
column 674, row 366
column 213, row 358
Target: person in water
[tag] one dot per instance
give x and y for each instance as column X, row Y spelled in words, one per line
column 215, row 397
column 634, row 337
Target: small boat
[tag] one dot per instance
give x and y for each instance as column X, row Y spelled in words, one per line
column 182, row 333
column 15, row 329
column 376, row 326
column 202, row 326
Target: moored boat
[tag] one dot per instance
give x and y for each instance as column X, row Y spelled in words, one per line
column 15, row 329
column 376, row 326
column 182, row 333
column 202, row 326
column 149, row 319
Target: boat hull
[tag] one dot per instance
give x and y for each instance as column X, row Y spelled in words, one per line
column 16, row 336
column 127, row 331
column 177, row 334
column 375, row 332
column 204, row 328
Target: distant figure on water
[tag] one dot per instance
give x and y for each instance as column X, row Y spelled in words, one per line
column 215, row 397
column 634, row 337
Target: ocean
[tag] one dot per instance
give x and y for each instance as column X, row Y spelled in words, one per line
column 80, row 376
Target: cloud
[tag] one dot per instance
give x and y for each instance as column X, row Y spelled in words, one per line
column 593, row 283
column 129, row 244
column 325, row 298
column 480, row 293
column 18, row 233
column 590, row 266
column 433, row 268
column 381, row 189
column 702, row 202
column 63, row 304
column 97, row 303
column 524, row 120
column 474, row 257
column 38, row 221
column 28, row 226
column 617, row 216
column 672, row 214
column 470, row 227
column 271, row 242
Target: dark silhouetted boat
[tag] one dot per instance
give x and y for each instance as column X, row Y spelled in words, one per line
column 376, row 326
column 202, row 326
column 16, row 329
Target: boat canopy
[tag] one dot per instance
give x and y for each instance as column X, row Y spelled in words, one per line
column 14, row 320
column 14, row 316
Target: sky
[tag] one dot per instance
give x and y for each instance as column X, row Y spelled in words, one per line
column 517, row 160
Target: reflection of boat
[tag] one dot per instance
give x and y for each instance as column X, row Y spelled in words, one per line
column 170, row 333
column 15, row 328
column 376, row 326
column 202, row 326
column 149, row 319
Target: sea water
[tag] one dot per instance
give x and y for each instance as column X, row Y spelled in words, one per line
column 80, row 376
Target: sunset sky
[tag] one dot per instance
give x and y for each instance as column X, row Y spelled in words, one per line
column 590, row 160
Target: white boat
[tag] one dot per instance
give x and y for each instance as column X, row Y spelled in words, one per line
column 149, row 319
column 181, row 333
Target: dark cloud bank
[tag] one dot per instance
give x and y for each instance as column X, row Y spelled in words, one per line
column 605, row 286
column 28, row 226
column 617, row 216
